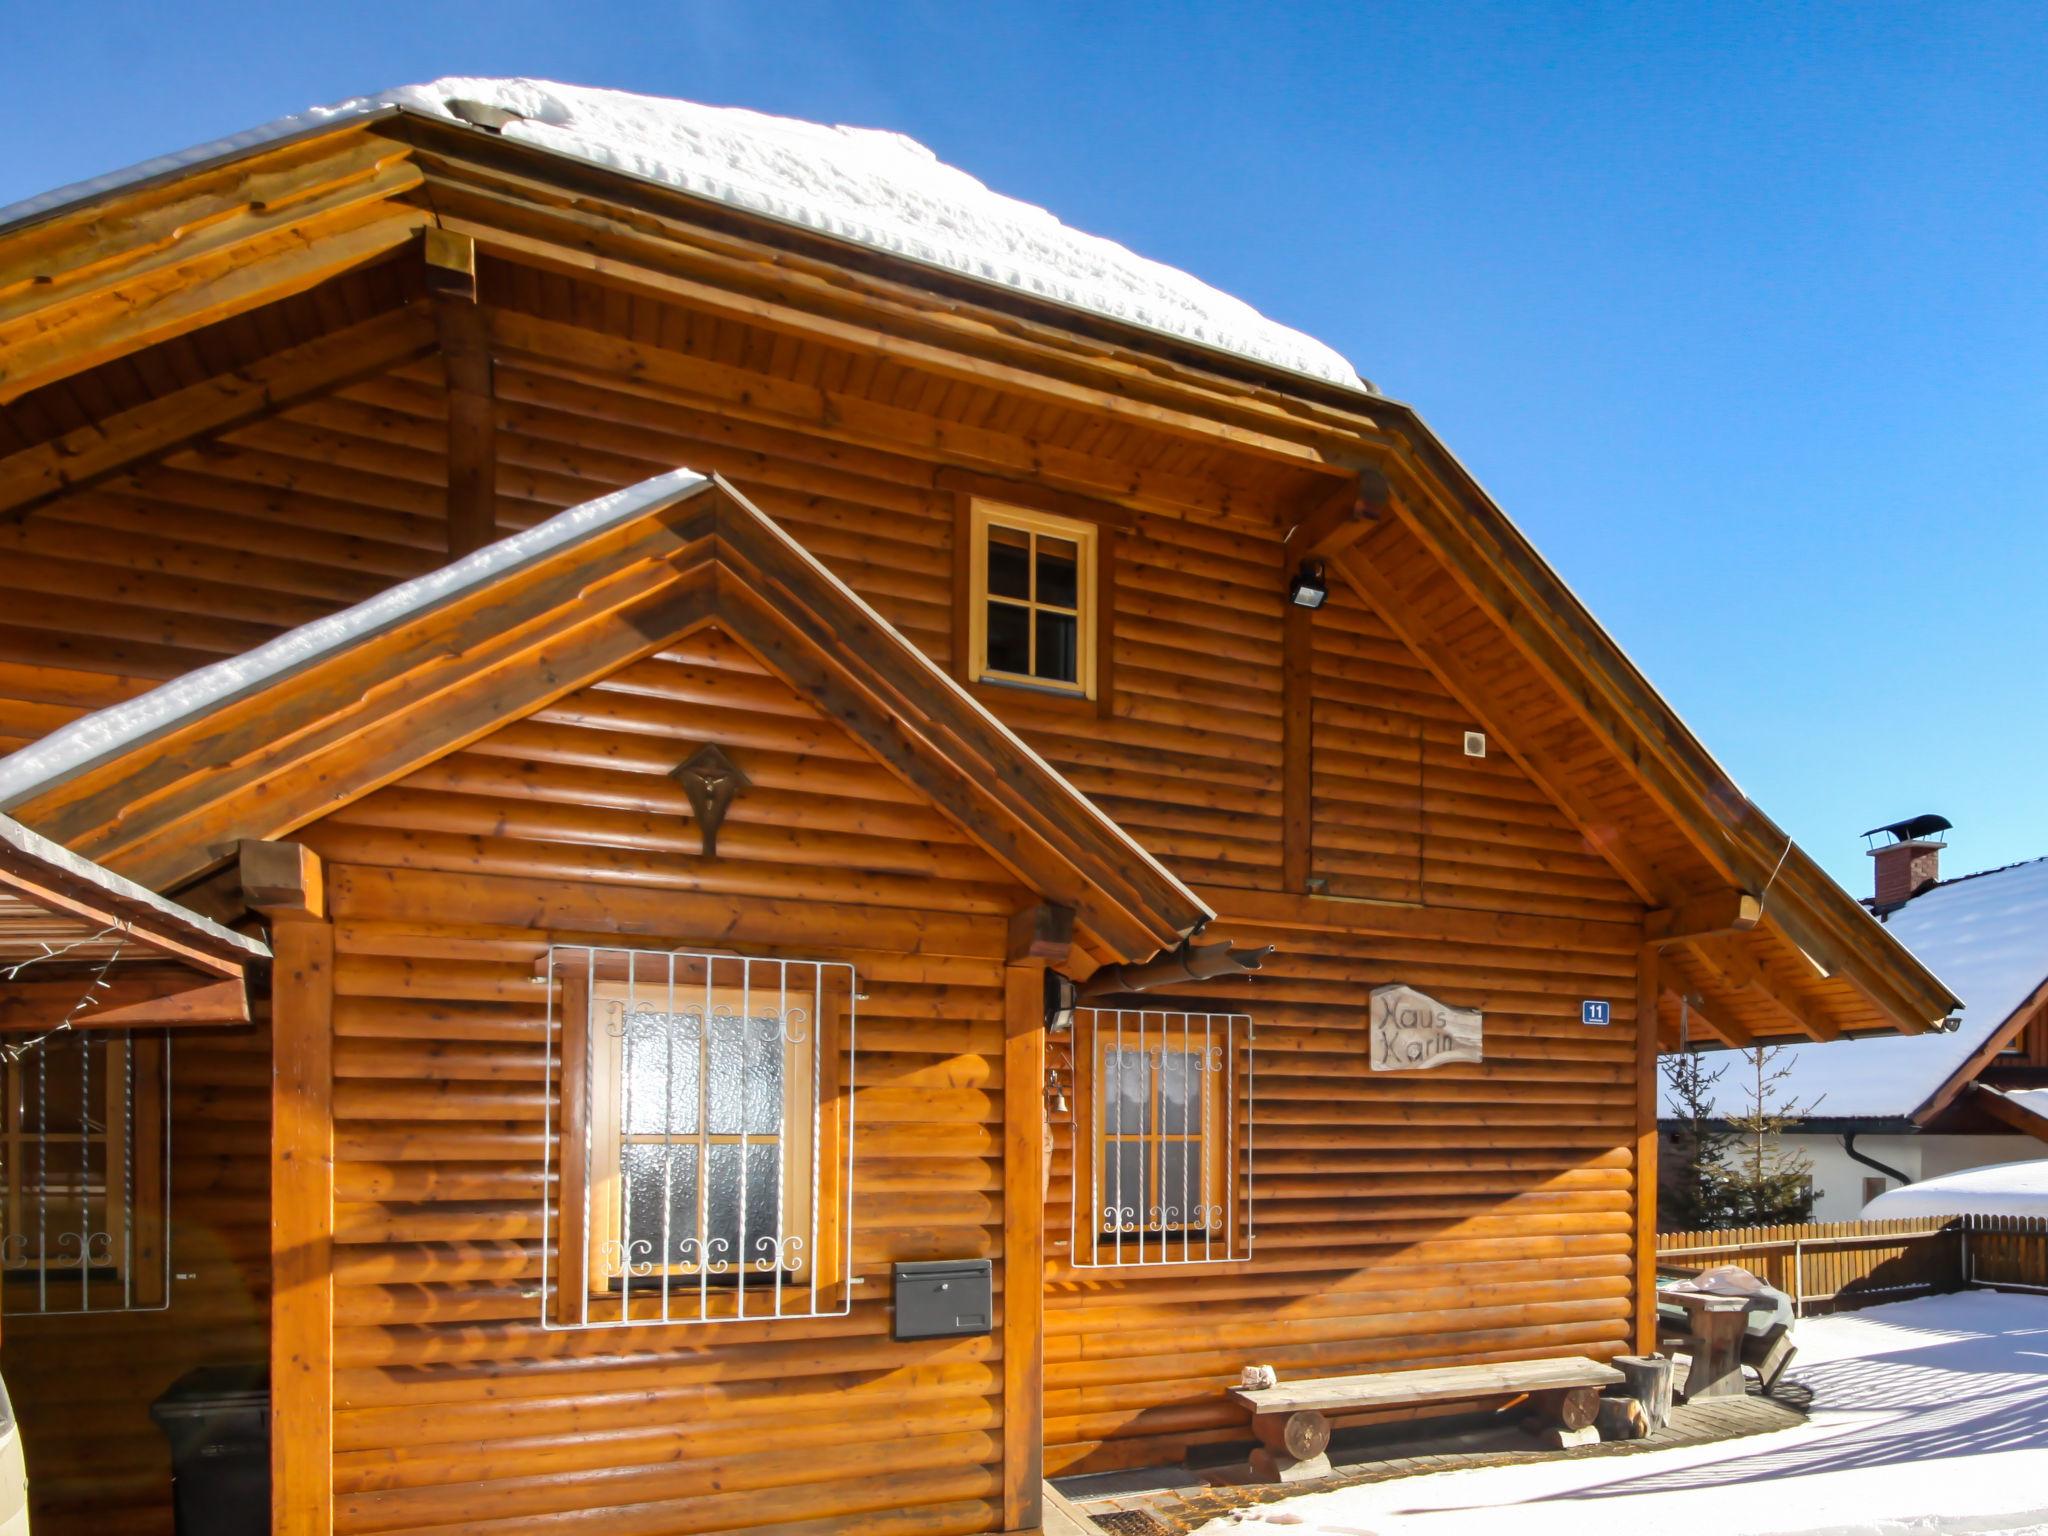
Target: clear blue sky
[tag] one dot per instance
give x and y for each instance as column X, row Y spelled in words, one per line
column 1741, row 310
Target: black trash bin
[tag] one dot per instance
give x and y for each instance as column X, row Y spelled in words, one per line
column 217, row 1419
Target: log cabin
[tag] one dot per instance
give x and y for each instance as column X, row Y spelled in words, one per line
column 847, row 845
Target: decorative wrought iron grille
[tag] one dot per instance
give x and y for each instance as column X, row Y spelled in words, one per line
column 699, row 1138
column 1162, row 1137
column 85, row 1175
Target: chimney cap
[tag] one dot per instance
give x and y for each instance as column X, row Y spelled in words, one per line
column 1912, row 829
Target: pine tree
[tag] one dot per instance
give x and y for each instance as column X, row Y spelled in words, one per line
column 1694, row 1193
column 1767, row 1183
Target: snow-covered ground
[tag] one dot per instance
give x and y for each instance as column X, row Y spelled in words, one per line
column 1929, row 1416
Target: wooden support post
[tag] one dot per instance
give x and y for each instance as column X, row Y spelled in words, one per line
column 1024, row 1139
column 284, row 883
column 472, row 411
column 1649, row 989
column 1297, row 748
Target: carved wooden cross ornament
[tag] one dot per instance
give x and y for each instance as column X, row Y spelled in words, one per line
column 712, row 781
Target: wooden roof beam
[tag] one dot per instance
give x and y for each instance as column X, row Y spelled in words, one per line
column 127, row 997
column 1741, row 972
column 219, row 279
column 1334, row 520
column 2008, row 1111
column 527, row 219
column 1509, row 581
column 92, row 453
column 627, row 367
column 1711, row 912
column 472, row 404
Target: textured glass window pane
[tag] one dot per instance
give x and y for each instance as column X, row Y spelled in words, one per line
column 1009, row 638
column 656, row 1175
column 1126, row 1192
column 658, row 1067
column 1059, row 566
column 1009, row 561
column 1059, row 654
column 723, row 1219
column 1180, row 1181
column 1126, row 1091
column 764, row 1207
column 727, row 1086
column 763, row 1107
column 1180, row 1092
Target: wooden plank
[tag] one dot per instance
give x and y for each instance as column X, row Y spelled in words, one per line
column 302, row 1223
column 1024, row 1192
column 109, row 444
column 1711, row 912
column 1394, row 1389
column 1649, row 989
column 221, row 285
column 130, row 997
column 1297, row 748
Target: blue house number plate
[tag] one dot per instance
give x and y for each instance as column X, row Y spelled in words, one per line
column 1591, row 1012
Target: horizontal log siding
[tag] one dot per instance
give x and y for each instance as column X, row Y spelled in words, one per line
column 82, row 1386
column 1390, row 1209
column 1471, row 1212
column 455, row 1411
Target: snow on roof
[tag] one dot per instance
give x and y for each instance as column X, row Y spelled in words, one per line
column 2002, row 1189
column 1984, row 935
column 865, row 185
column 119, row 726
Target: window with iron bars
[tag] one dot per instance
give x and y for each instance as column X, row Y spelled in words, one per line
column 701, row 1137
column 1161, row 1136
column 85, row 1170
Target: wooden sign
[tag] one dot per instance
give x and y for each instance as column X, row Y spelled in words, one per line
column 1411, row 1031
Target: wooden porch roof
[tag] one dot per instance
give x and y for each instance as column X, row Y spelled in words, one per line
column 166, row 788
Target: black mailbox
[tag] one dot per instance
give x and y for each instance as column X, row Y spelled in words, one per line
column 937, row 1299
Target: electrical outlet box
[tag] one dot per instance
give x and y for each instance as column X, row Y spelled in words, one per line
column 944, row 1298
column 1475, row 743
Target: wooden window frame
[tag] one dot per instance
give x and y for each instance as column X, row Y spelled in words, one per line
column 591, row 1187
column 136, row 1239
column 1226, row 1121
column 1089, row 635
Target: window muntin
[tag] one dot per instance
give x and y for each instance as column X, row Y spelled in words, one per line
column 702, row 1127
column 85, row 1174
column 1032, row 597
column 1161, row 1137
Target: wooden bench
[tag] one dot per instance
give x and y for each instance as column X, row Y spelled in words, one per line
column 1292, row 1420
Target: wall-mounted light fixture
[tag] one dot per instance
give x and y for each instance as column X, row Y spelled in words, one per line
column 1308, row 589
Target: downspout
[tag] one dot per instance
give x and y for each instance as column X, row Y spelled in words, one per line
column 1849, row 1146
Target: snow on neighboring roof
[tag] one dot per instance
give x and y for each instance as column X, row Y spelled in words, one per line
column 1986, row 937
column 2002, row 1189
column 33, row 845
column 865, row 185
column 119, row 726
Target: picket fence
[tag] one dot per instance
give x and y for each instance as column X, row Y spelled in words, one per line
column 1838, row 1265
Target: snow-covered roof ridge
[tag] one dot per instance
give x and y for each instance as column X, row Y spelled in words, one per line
column 869, row 186
column 2000, row 1189
column 1986, row 936
column 119, row 726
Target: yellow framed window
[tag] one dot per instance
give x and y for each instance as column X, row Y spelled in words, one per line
column 1033, row 596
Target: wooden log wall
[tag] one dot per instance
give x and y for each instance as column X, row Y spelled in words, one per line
column 82, row 1386
column 455, row 1410
column 1465, row 1213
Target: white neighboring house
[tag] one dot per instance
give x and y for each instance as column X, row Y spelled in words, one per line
column 1881, row 1113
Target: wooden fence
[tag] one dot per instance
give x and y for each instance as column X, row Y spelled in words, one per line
column 1837, row 1265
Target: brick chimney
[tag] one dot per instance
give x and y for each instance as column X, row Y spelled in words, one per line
column 1907, row 864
